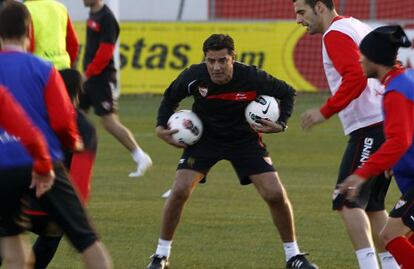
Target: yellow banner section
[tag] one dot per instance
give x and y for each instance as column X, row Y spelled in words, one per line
column 153, row 54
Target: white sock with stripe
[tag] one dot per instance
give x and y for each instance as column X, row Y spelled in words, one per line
column 291, row 249
column 367, row 259
column 387, row 261
column 163, row 248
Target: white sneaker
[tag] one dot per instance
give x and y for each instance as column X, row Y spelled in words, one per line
column 166, row 194
column 144, row 164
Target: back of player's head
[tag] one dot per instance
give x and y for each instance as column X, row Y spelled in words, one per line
column 381, row 45
column 73, row 81
column 14, row 20
column 312, row 3
column 218, row 42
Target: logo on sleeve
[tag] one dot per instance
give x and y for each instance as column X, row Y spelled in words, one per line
column 94, row 26
column 399, row 204
column 106, row 105
column 203, row 90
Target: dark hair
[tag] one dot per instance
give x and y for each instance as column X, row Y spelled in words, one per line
column 14, row 20
column 73, row 82
column 312, row 3
column 219, row 42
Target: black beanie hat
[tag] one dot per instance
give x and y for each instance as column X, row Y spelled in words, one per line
column 381, row 45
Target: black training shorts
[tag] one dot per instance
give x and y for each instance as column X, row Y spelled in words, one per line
column 13, row 184
column 362, row 144
column 247, row 158
column 98, row 92
column 61, row 202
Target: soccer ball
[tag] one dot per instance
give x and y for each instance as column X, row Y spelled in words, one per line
column 264, row 107
column 189, row 127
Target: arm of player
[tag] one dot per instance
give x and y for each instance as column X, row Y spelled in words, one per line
column 31, row 47
column 351, row 186
column 81, row 169
column 268, row 126
column 279, row 89
column 398, row 133
column 62, row 115
column 102, row 57
column 15, row 121
column 105, row 52
column 42, row 182
column 177, row 91
column 166, row 135
column 310, row 118
column 345, row 55
column 72, row 42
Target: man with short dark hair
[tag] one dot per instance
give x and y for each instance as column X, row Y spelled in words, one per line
column 101, row 35
column 357, row 101
column 379, row 60
column 39, row 89
column 222, row 88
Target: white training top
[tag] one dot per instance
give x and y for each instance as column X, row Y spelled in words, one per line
column 367, row 108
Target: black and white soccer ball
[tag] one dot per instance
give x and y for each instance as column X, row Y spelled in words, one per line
column 264, row 107
column 189, row 126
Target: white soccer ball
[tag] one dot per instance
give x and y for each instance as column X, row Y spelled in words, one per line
column 189, row 127
column 264, row 107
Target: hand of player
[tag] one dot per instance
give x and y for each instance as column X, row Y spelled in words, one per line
column 78, row 146
column 267, row 126
column 166, row 135
column 388, row 174
column 311, row 117
column 351, row 186
column 42, row 182
column 84, row 78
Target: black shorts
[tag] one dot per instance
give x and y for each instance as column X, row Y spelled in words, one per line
column 247, row 158
column 98, row 93
column 404, row 209
column 362, row 144
column 61, row 203
column 13, row 184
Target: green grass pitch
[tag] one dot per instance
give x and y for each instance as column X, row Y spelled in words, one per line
column 225, row 225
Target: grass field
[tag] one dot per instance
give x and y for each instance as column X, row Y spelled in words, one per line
column 225, row 225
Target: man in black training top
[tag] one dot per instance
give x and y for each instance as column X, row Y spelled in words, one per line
column 98, row 63
column 222, row 88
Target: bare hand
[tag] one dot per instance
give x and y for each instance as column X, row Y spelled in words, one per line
column 84, row 78
column 388, row 174
column 78, row 147
column 351, row 186
column 311, row 117
column 267, row 126
column 166, row 135
column 42, row 183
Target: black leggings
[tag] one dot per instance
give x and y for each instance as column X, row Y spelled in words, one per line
column 44, row 249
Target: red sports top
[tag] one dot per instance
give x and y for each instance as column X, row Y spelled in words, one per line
column 398, row 130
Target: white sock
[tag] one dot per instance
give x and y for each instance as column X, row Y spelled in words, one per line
column 164, row 248
column 291, row 249
column 367, row 258
column 387, row 261
column 137, row 154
